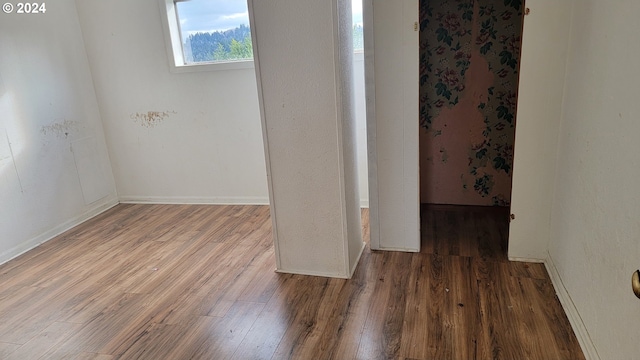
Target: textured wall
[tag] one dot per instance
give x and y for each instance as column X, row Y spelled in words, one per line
column 173, row 137
column 469, row 65
column 206, row 145
column 545, row 42
column 54, row 168
column 595, row 231
column 391, row 58
column 309, row 133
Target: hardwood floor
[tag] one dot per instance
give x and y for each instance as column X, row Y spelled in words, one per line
column 197, row 282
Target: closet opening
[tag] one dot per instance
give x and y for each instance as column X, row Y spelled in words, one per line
column 468, row 77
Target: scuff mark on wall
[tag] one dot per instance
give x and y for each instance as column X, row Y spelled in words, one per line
column 151, row 118
column 13, row 160
column 60, row 128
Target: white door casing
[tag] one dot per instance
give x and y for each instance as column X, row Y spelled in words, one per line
column 391, row 81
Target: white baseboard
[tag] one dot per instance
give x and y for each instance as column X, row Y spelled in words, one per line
column 16, row 251
column 312, row 273
column 396, row 249
column 589, row 350
column 195, row 200
column 521, row 259
column 199, row 200
column 355, row 264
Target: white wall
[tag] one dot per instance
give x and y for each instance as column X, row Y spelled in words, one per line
column 392, row 85
column 544, row 53
column 309, row 132
column 207, row 149
column 594, row 219
column 361, row 127
column 54, row 168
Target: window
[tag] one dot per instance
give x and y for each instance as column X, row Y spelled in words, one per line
column 358, row 38
column 215, row 34
column 208, row 34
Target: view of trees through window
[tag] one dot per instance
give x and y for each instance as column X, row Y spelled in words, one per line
column 234, row 44
column 214, row 31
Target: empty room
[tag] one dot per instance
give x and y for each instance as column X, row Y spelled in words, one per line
column 250, row 179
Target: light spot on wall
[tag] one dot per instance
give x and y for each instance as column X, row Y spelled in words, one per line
column 60, row 128
column 151, row 118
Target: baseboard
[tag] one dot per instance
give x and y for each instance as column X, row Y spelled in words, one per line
column 312, row 273
column 521, row 259
column 59, row 229
column 199, row 200
column 589, row 350
column 355, row 264
column 396, row 249
column 195, row 200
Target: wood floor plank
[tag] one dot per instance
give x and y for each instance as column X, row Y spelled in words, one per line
column 93, row 356
column 438, row 337
column 415, row 328
column 500, row 323
column 464, row 307
column 375, row 342
column 156, row 341
column 213, row 337
column 224, row 337
column 107, row 325
column 6, row 349
column 30, row 317
column 197, row 282
column 43, row 342
column 544, row 296
column 304, row 319
column 342, row 332
column 271, row 325
column 529, row 270
column 264, row 283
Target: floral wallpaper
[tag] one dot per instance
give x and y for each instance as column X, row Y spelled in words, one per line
column 469, row 61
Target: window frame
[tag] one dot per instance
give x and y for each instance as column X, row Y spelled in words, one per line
column 175, row 52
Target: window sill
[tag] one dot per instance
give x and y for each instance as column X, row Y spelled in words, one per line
column 218, row 66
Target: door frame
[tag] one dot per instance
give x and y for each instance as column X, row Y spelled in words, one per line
column 392, row 139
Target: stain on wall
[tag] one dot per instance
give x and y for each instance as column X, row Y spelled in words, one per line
column 60, row 128
column 151, row 118
column 469, row 62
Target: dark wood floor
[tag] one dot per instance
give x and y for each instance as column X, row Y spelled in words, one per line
column 197, row 282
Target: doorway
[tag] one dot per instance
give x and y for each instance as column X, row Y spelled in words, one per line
column 469, row 67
